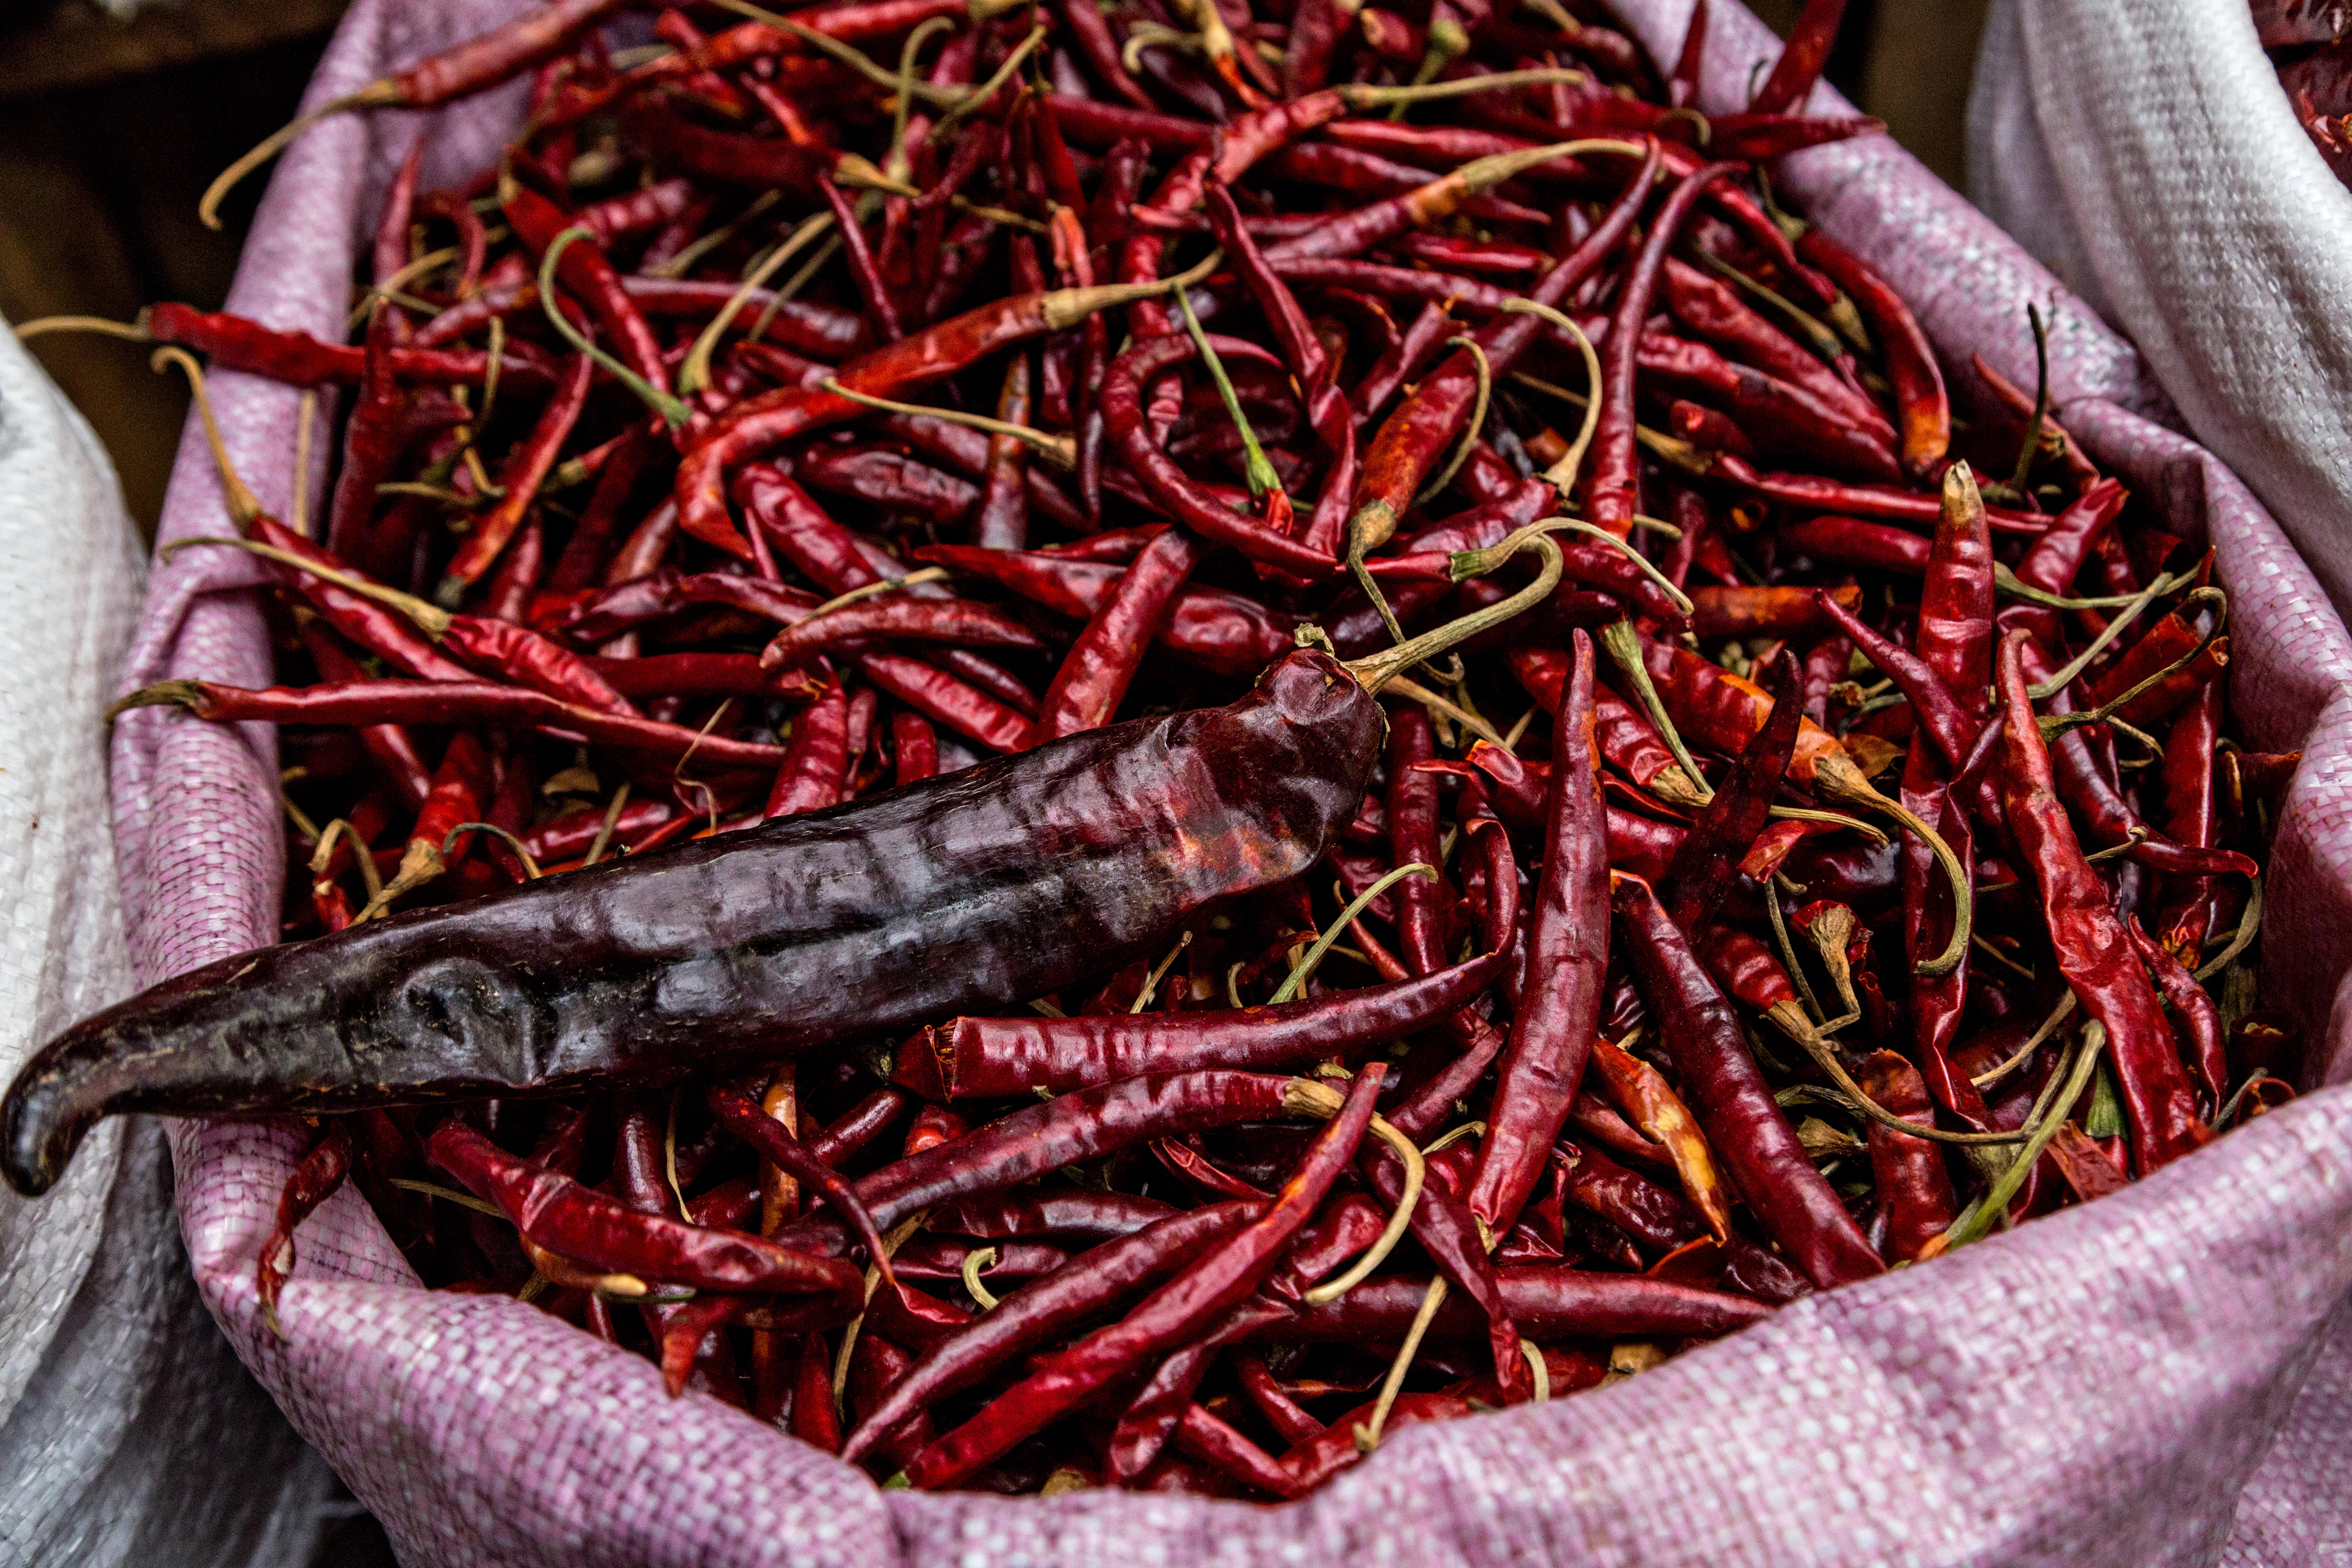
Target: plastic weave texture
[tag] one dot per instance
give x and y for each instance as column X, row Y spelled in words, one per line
column 2163, row 1377
column 2144, row 151
column 110, row 1368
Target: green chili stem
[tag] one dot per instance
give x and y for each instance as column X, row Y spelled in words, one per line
column 1979, row 1222
column 1624, row 646
column 1260, row 473
column 673, row 413
column 696, row 373
column 1298, row 978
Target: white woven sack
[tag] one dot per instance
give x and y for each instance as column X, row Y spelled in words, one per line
column 128, row 1435
column 2143, row 151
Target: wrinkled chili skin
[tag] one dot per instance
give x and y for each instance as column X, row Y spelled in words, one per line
column 1547, row 1301
column 1568, row 951
column 979, row 1057
column 1727, row 1092
column 2093, row 951
column 875, row 915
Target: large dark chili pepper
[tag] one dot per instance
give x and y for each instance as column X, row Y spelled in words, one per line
column 539, row 989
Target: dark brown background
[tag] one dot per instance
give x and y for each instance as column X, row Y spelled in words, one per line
column 109, row 131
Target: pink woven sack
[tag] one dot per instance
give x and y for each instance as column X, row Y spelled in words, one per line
column 2162, row 1378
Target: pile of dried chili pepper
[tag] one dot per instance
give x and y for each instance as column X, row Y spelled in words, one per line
column 1092, row 744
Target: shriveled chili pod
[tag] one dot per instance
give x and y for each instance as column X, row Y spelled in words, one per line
column 1568, row 949
column 1745, row 1126
column 273, row 1031
column 2093, row 952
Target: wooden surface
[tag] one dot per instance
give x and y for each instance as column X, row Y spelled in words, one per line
column 77, row 44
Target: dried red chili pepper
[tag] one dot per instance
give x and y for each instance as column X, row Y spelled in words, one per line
column 1095, row 673
column 1549, row 1301
column 1411, row 441
column 314, row 1179
column 1168, row 1316
column 1568, row 949
column 761, row 424
column 958, row 621
column 1744, row 1124
column 1613, row 484
column 2093, row 952
column 573, row 1222
column 1171, row 491
column 1912, row 1182
column 1706, row 865
column 1051, row 1307
column 524, row 470
column 1920, row 400
column 988, row 1057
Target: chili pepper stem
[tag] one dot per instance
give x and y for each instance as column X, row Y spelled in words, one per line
column 420, row 863
column 1562, row 475
column 1368, row 1433
column 1413, row 690
column 1376, row 671
column 1296, row 980
column 1792, row 1022
column 988, row 89
column 1263, row 480
column 2065, row 675
column 2006, row 582
column 1672, row 451
column 1065, row 308
column 674, row 413
column 2249, row 925
column 1991, row 1209
column 2024, row 1053
column 2032, row 442
column 1061, row 451
column 2056, row 724
column 1358, row 96
column 1306, row 1097
column 1600, row 535
column 1624, row 647
column 973, row 1262
column 696, row 373
column 381, row 93
column 133, row 330
column 1836, row 777
column 834, row 49
column 1813, row 1012
column 1871, row 831
column 188, row 694
column 243, row 504
column 431, row 619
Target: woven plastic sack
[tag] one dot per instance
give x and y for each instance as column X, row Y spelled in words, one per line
column 111, row 1372
column 2112, row 1387
column 2144, row 151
